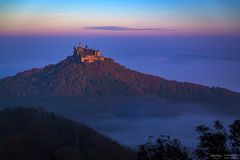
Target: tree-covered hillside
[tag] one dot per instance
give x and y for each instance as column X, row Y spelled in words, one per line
column 31, row 134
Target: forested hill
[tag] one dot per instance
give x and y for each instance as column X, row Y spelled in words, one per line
column 28, row 133
column 72, row 78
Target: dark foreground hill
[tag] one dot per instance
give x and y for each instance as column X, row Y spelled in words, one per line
column 27, row 134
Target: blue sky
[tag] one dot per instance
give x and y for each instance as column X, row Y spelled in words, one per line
column 186, row 16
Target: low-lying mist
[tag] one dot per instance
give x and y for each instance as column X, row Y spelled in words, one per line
column 131, row 120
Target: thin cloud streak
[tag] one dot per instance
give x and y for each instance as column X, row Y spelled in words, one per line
column 120, row 28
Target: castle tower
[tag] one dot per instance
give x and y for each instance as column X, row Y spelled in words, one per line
column 97, row 53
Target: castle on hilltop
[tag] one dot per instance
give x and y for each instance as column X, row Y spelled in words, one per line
column 86, row 54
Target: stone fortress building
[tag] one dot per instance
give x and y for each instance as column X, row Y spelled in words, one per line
column 86, row 54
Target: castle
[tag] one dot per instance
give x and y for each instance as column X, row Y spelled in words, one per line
column 86, row 54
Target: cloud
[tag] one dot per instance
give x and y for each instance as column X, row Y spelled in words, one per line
column 120, row 28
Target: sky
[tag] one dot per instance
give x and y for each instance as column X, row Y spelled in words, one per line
column 115, row 17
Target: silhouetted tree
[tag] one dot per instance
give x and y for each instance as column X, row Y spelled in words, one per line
column 164, row 148
column 213, row 141
column 234, row 137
